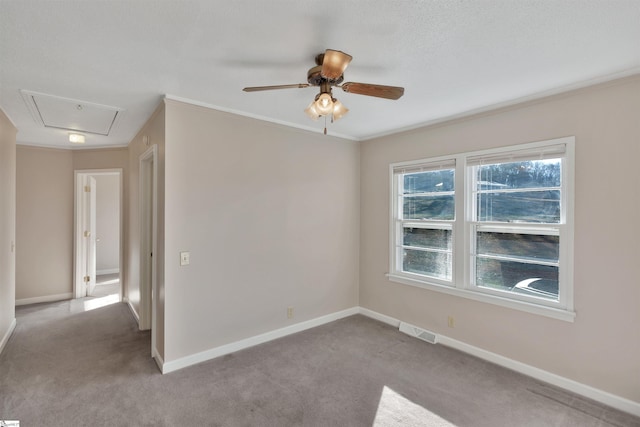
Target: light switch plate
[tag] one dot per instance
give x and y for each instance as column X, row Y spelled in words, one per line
column 185, row 258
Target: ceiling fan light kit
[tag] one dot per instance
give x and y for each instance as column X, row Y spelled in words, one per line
column 328, row 73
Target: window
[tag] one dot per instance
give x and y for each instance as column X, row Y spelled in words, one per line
column 494, row 226
column 424, row 227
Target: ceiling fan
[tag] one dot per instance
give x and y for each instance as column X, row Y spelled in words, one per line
column 329, row 73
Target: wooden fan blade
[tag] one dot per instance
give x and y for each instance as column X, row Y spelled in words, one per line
column 334, row 64
column 388, row 92
column 259, row 88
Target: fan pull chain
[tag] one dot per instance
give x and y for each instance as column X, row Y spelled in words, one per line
column 325, row 125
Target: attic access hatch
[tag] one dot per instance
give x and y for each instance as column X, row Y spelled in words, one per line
column 71, row 114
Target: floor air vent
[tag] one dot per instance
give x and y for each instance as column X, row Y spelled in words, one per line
column 420, row 333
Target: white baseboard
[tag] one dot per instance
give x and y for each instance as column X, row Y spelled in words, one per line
column 598, row 395
column 159, row 360
column 380, row 317
column 133, row 311
column 582, row 389
column 46, row 298
column 7, row 335
column 107, row 271
column 183, row 362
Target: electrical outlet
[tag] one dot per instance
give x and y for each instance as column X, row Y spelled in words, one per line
column 289, row 312
column 450, row 321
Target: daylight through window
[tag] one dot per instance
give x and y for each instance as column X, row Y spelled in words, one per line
column 495, row 226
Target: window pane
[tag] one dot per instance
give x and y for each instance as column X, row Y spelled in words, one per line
column 434, row 264
column 428, row 182
column 529, row 174
column 527, row 279
column 524, row 206
column 528, row 246
column 428, row 207
column 427, row 238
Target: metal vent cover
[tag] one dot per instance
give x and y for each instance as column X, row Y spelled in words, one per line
column 71, row 114
column 419, row 333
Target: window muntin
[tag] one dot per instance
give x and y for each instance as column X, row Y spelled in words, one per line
column 424, row 212
column 428, row 238
column 505, row 236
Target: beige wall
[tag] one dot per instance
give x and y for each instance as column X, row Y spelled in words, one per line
column 107, row 223
column 154, row 130
column 101, row 158
column 45, row 216
column 270, row 216
column 44, row 226
column 7, row 225
column 602, row 347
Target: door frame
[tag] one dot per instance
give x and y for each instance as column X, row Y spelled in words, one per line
column 79, row 259
column 148, row 212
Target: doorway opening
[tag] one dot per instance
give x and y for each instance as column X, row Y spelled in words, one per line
column 98, row 234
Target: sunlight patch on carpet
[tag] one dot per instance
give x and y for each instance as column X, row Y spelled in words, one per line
column 94, row 303
column 108, row 282
column 396, row 410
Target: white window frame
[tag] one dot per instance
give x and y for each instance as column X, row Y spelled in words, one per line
column 398, row 224
column 464, row 230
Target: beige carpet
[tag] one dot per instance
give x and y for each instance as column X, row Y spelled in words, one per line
column 65, row 366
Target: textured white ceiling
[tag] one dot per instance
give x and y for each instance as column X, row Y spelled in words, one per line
column 451, row 56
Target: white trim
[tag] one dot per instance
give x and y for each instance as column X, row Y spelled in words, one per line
column 590, row 392
column 159, row 360
column 515, row 103
column 6, row 336
column 148, row 240
column 527, row 307
column 133, row 311
column 585, row 84
column 255, row 116
column 15, row 127
column 598, row 395
column 46, row 298
column 75, row 147
column 582, row 389
column 212, row 353
column 107, row 271
column 380, row 317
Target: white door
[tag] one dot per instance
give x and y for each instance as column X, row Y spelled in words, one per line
column 90, row 233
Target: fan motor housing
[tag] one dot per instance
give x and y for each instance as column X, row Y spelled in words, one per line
column 314, row 77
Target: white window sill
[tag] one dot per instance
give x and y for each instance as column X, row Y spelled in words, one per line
column 542, row 310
